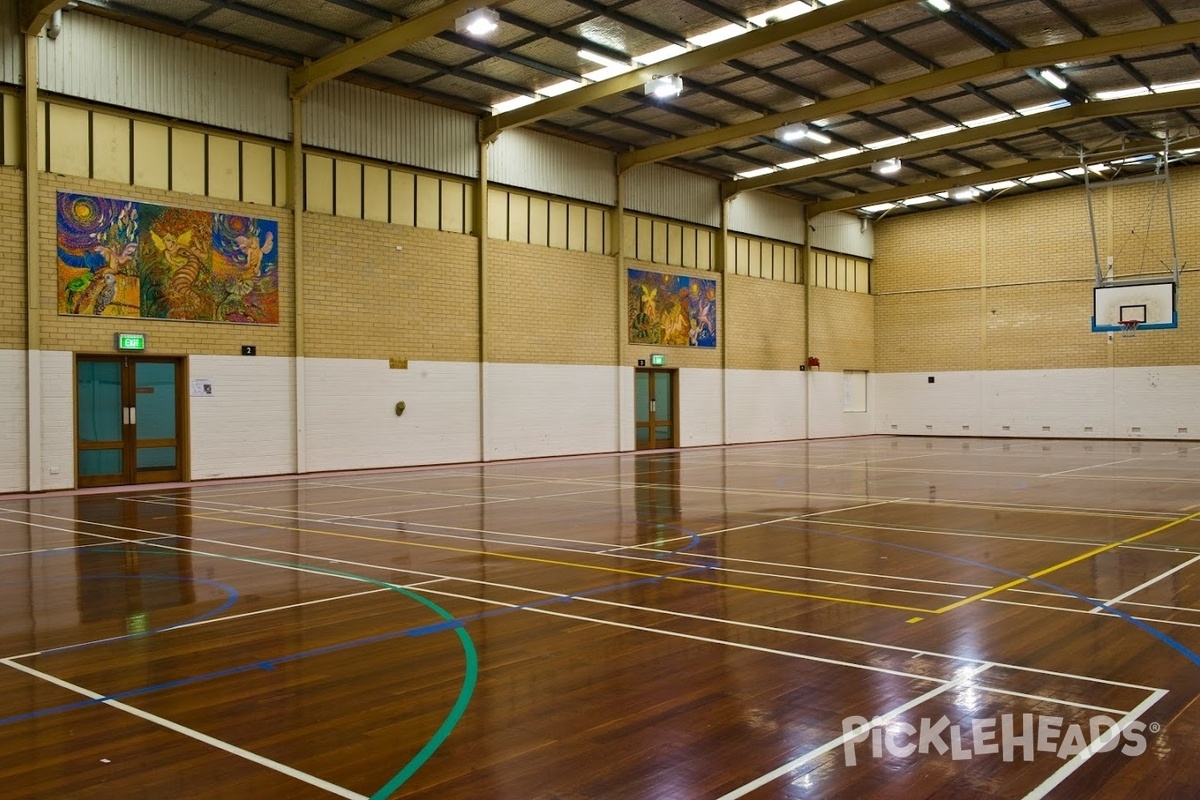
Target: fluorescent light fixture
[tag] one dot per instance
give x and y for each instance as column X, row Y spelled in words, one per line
column 940, row 5
column 596, row 58
column 664, row 86
column 719, row 35
column 817, row 136
column 849, row 151
column 1117, row 94
column 963, row 192
column 517, row 102
column 929, row 134
column 1053, row 104
column 975, row 123
column 661, row 54
column 925, row 198
column 804, row 162
column 479, row 22
column 997, row 187
column 559, row 88
column 1177, row 86
column 886, row 143
column 887, row 166
column 1043, row 177
column 791, row 133
column 754, row 173
column 877, row 208
column 1054, row 79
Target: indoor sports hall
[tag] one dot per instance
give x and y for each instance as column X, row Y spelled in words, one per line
column 599, row 399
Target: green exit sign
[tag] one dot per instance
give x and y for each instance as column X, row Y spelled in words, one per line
column 131, row 341
column 657, row 360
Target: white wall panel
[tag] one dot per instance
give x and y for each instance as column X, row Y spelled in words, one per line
column 700, row 408
column 673, row 193
column 537, row 410
column 13, row 420
column 765, row 405
column 391, row 128
column 248, row 425
column 531, row 160
column 828, row 417
column 1123, row 403
column 844, row 233
column 58, row 419
column 1158, row 401
column 767, row 215
column 351, row 420
column 10, row 44
column 98, row 59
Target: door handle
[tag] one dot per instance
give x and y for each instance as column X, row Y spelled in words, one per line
column 124, row 415
column 652, row 406
column 129, row 415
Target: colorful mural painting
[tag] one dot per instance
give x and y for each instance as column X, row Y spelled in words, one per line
column 672, row 309
column 128, row 259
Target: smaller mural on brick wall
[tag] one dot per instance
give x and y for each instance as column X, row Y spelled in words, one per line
column 672, row 309
column 128, row 259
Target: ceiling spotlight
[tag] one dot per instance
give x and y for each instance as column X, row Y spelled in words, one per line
column 664, row 86
column 1054, row 79
column 887, row 166
column 940, row 5
column 963, row 192
column 479, row 22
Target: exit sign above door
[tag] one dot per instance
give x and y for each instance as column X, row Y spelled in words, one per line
column 131, row 341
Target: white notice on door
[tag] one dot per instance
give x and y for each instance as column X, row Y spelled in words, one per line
column 202, row 387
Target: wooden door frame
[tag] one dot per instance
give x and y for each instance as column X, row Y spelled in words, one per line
column 674, row 418
column 129, row 473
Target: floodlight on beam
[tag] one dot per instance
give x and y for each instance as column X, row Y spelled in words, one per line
column 940, row 5
column 887, row 166
column 797, row 131
column 963, row 193
column 479, row 22
column 664, row 86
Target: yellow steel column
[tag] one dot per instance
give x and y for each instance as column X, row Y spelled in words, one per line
column 33, row 306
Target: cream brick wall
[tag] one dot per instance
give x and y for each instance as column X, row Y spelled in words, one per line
column 88, row 334
column 842, row 334
column 1007, row 285
column 364, row 298
column 764, row 323
column 551, row 306
column 12, row 259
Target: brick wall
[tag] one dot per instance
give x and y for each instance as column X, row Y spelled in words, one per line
column 364, row 298
column 764, row 323
column 12, row 260
column 551, row 306
column 842, row 333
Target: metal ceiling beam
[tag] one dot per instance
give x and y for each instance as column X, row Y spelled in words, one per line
column 306, row 78
column 1104, row 108
column 32, row 15
column 951, row 76
column 942, row 185
column 817, row 20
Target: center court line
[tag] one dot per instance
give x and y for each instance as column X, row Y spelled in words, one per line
column 816, row 753
column 476, row 599
column 191, row 733
column 1139, row 587
column 1063, row 772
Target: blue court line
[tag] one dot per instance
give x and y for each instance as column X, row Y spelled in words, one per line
column 1150, row 629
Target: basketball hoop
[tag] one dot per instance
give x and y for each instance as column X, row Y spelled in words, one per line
column 1129, row 327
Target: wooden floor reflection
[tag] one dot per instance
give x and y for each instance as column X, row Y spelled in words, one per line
column 873, row 617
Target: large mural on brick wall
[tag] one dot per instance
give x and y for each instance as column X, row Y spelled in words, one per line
column 672, row 309
column 128, row 259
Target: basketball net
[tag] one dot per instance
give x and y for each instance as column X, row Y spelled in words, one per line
column 1129, row 328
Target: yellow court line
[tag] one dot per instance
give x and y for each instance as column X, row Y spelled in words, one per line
column 1062, row 564
column 574, row 564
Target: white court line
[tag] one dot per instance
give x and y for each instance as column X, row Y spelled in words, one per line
column 1147, row 620
column 1091, row 466
column 816, row 753
column 1141, row 586
column 192, row 733
column 1065, row 771
column 476, row 599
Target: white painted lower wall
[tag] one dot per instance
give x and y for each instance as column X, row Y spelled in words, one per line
column 351, row 422
column 535, row 410
column 700, row 407
column 765, row 405
column 828, row 417
column 58, row 419
column 247, row 426
column 1125, row 402
column 14, row 475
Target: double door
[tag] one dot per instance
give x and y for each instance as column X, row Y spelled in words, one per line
column 654, row 408
column 128, row 413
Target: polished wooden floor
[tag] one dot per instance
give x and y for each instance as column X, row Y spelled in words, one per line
column 697, row 624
